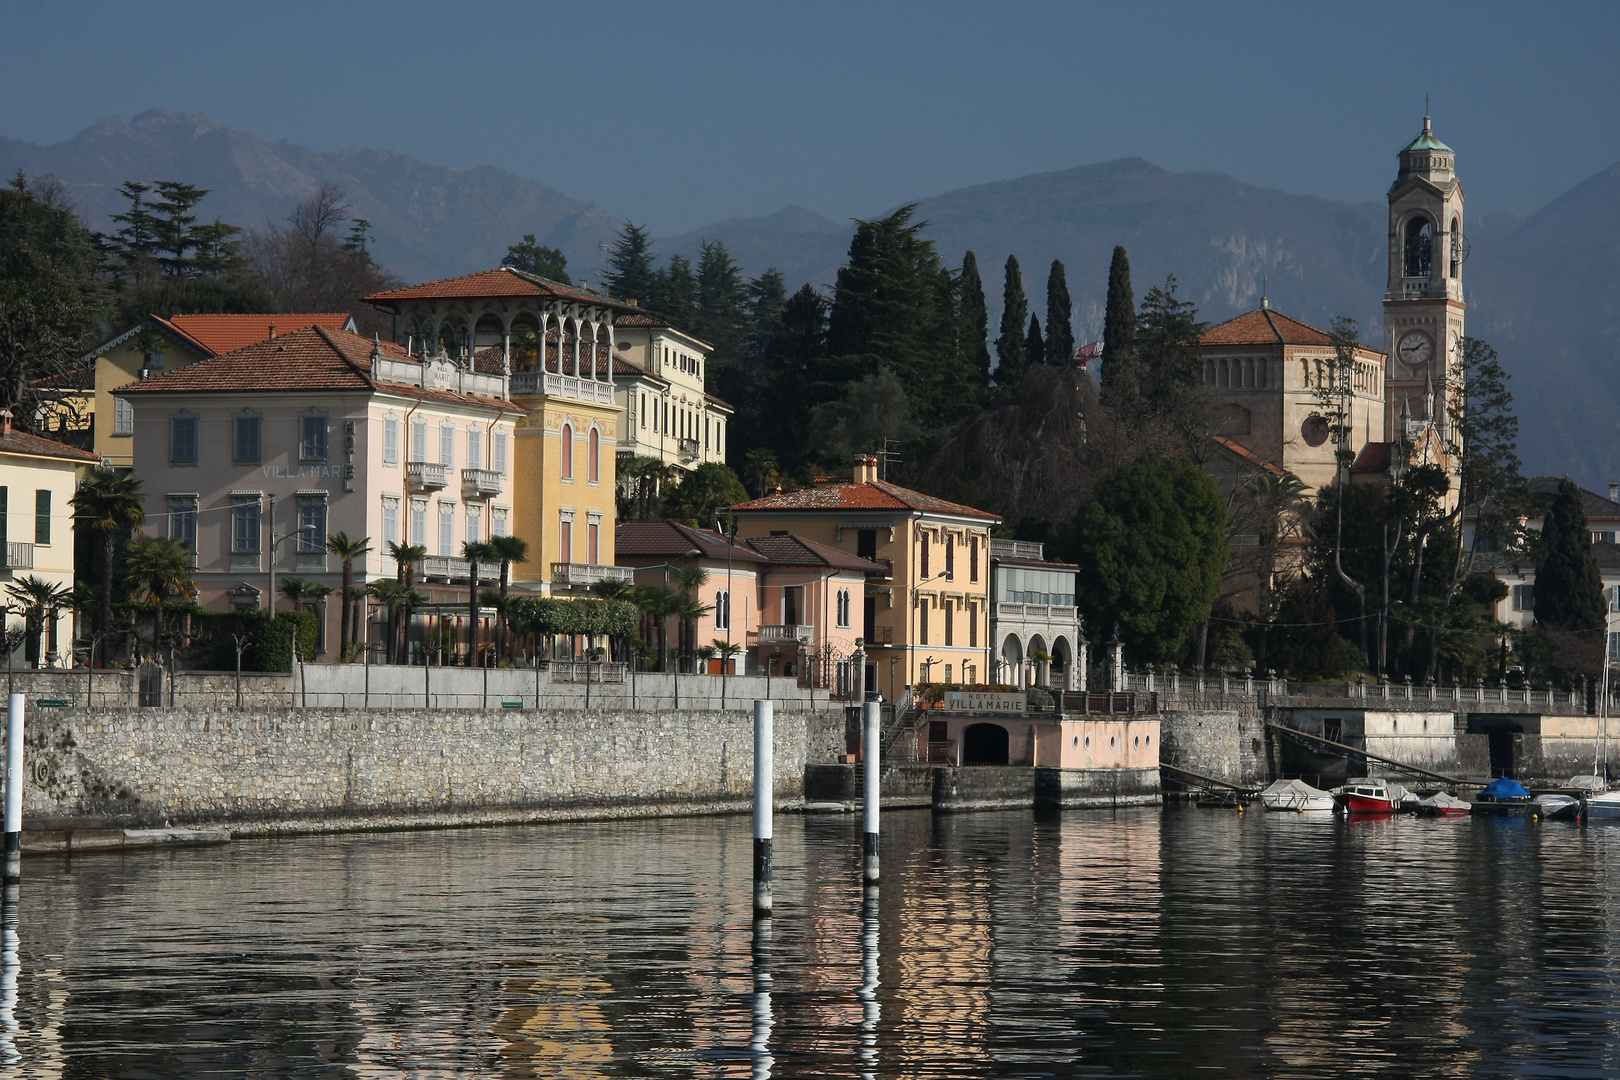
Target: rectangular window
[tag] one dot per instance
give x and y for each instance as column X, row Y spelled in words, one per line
column 1614, row 598
column 475, row 523
column 949, row 611
column 183, row 520
column 447, row 529
column 950, row 558
column 565, row 540
column 245, row 443
column 923, row 562
column 643, row 410
column 973, row 559
column 418, row 523
column 312, row 431
column 866, row 544
column 419, row 440
column 391, row 441
column 447, row 444
column 593, row 551
column 500, row 452
column 1524, row 598
column 922, row 622
column 183, row 440
column 390, row 521
column 792, row 602
column 475, row 449
column 311, row 524
column 1614, row 646
column 123, row 417
column 973, row 625
column 245, row 527
column 42, row 517
column 497, row 523
column 4, row 502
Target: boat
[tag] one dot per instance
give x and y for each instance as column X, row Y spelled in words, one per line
column 1554, row 807
column 1366, row 795
column 1408, row 800
column 1443, row 804
column 1503, row 795
column 1295, row 795
column 1604, row 805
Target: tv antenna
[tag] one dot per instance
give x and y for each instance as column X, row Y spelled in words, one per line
column 886, row 455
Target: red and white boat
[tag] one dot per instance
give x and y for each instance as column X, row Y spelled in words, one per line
column 1367, row 796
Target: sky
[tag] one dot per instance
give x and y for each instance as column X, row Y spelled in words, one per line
column 677, row 115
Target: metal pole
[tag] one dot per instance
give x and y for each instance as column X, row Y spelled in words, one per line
column 871, row 748
column 764, row 773
column 759, row 1045
column 871, row 1010
column 14, row 782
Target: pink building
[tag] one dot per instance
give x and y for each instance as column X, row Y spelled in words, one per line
column 255, row 457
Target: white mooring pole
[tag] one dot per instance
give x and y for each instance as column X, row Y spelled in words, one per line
column 14, row 782
column 764, row 772
column 872, row 751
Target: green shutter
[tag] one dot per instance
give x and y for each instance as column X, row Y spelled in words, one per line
column 42, row 517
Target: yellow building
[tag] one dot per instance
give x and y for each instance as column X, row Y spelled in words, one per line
column 151, row 346
column 929, row 620
column 37, row 479
column 553, row 345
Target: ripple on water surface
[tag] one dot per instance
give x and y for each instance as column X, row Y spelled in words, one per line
column 1144, row 943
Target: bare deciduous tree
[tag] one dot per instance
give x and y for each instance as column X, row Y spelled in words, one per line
column 311, row 264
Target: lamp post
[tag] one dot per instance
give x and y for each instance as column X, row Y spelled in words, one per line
column 274, row 543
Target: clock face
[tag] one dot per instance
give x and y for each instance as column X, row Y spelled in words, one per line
column 1415, row 348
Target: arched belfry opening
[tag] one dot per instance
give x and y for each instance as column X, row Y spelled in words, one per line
column 1456, row 247
column 1419, row 247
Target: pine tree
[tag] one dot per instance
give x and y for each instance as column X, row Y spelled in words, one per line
column 797, row 372
column 1059, row 318
column 767, row 294
column 1010, row 360
column 630, row 265
column 1569, row 588
column 1119, row 332
column 676, row 293
column 174, row 219
column 721, row 303
column 974, row 330
column 533, row 258
column 1034, row 344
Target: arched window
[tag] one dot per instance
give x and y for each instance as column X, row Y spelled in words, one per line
column 1456, row 248
column 1419, row 246
column 568, row 451
column 594, row 460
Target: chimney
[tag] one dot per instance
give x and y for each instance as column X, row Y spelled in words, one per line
column 272, row 331
column 631, row 301
column 1614, row 492
column 5, row 422
column 865, row 468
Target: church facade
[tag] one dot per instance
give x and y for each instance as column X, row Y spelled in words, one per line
column 1279, row 390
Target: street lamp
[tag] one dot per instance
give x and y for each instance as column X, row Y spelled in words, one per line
column 276, row 542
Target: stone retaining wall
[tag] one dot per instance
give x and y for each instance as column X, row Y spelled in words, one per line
column 152, row 766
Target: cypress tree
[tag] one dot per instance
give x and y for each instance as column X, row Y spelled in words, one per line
column 1034, row 344
column 1119, row 326
column 974, row 334
column 1059, row 324
column 1569, row 588
column 1010, row 358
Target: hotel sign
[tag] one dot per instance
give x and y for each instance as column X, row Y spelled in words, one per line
column 985, row 703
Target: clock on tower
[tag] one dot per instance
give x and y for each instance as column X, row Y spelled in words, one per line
column 1423, row 302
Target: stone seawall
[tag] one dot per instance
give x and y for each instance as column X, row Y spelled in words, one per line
column 271, row 769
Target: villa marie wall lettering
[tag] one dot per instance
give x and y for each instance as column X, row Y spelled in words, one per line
column 309, row 472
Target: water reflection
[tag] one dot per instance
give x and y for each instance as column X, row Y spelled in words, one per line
column 1147, row 943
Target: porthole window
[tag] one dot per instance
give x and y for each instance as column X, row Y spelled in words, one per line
column 1077, row 742
column 1111, row 742
column 1150, row 740
column 1088, row 742
column 1136, row 743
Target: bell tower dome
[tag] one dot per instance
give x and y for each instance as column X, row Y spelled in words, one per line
column 1423, row 300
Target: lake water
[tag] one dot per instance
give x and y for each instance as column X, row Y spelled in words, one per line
column 1144, row 943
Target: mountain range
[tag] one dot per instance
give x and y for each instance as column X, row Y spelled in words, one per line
column 1544, row 289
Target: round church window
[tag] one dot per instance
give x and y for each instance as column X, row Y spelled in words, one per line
column 1314, row 431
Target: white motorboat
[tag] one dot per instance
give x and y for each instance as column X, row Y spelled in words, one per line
column 1556, row 807
column 1604, row 805
column 1295, row 795
column 1443, row 804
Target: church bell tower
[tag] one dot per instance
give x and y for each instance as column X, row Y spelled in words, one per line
column 1423, row 302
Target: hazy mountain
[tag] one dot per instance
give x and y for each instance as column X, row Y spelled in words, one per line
column 428, row 221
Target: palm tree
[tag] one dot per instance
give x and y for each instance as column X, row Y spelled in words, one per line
column 760, row 470
column 644, row 477
column 659, row 603
column 348, row 549
column 161, row 567
column 689, row 578
column 725, row 651
column 396, row 597
column 107, row 502
column 510, row 550
column 475, row 552
column 405, row 557
column 40, row 600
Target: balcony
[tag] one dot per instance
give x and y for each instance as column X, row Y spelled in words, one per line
column 19, row 556
column 1047, row 613
column 888, row 570
column 538, row 383
column 427, row 476
column 572, row 573
column 688, row 449
column 437, row 374
column 310, row 560
column 445, row 568
column 796, row 632
column 1017, row 549
column 480, row 483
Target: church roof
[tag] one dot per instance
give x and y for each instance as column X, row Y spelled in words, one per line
column 1262, row 326
column 1426, row 141
column 504, row 281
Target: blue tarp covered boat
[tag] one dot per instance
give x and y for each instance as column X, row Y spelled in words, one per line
column 1503, row 796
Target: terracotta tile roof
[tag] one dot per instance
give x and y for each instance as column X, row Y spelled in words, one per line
column 1374, row 458
column 672, row 540
column 23, row 442
column 502, row 281
column 711, row 399
column 1262, row 326
column 1248, row 455
column 797, row 551
column 220, row 334
column 847, row 495
column 638, row 317
column 625, row 369
column 312, row 359
column 80, row 378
